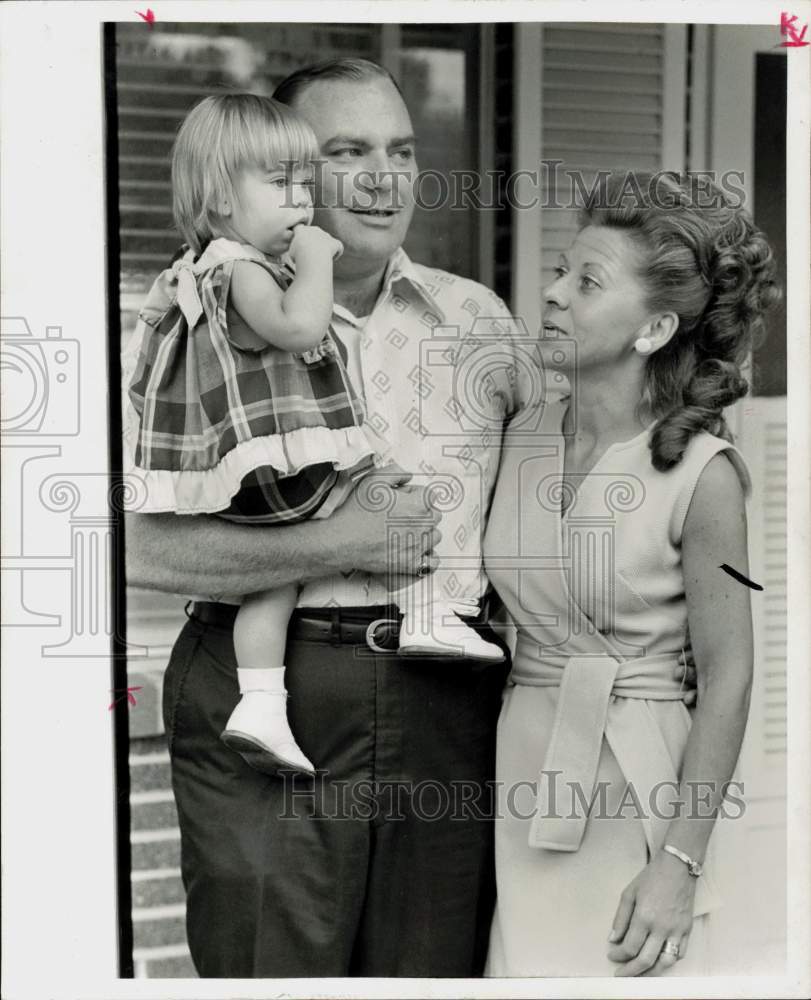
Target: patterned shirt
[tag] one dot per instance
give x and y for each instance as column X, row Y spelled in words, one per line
column 440, row 362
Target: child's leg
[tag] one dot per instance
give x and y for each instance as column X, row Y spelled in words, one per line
column 260, row 629
column 258, row 728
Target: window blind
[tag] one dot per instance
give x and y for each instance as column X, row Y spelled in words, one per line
column 603, row 96
column 764, row 434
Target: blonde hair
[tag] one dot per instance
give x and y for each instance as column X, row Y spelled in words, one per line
column 220, row 136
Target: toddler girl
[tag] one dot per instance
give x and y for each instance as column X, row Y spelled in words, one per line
column 244, row 402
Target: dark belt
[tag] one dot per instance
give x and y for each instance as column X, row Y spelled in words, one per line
column 377, row 627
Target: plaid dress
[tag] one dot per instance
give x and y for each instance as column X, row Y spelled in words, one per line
column 252, row 434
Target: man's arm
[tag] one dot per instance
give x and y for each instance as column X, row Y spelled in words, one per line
column 208, row 555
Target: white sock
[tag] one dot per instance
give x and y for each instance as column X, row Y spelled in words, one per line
column 267, row 679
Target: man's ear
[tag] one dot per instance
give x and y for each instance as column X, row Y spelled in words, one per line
column 660, row 330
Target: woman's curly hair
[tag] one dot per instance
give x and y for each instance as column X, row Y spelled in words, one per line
column 705, row 260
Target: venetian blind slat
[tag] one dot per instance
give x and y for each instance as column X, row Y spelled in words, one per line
column 602, row 110
column 765, row 745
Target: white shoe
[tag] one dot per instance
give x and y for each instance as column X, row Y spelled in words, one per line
column 258, row 730
column 436, row 638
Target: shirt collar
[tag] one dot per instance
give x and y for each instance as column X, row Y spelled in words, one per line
column 401, row 268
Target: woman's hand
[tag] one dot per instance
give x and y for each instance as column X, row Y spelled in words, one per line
column 655, row 908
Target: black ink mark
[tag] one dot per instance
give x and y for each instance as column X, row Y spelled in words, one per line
column 740, row 577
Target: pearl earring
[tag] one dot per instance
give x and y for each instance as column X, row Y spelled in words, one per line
column 643, row 346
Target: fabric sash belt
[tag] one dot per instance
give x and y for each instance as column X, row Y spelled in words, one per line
column 586, row 711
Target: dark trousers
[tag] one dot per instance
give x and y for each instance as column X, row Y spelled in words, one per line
column 382, row 865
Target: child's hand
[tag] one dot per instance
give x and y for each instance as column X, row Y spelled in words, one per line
column 311, row 242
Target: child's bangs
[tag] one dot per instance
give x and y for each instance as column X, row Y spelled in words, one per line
column 268, row 139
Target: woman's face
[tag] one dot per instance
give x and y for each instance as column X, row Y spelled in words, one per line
column 597, row 301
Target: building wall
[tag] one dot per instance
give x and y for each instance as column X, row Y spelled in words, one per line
column 158, row 900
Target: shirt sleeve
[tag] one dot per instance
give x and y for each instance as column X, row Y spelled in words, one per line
column 515, row 354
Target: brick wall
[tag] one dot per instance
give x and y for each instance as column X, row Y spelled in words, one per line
column 158, row 900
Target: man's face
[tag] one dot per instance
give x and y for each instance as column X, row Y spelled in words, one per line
column 365, row 188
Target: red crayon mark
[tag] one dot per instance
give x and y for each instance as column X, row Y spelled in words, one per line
column 796, row 39
column 127, row 693
column 149, row 17
column 740, row 577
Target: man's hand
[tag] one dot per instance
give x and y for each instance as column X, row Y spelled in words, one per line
column 385, row 527
column 686, row 674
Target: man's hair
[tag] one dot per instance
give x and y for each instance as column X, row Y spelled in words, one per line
column 352, row 69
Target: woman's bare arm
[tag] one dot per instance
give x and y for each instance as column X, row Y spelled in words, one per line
column 658, row 904
column 720, row 620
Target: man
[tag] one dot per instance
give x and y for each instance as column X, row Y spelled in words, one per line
column 383, row 865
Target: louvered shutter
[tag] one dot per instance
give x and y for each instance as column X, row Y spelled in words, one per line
column 602, row 108
column 763, row 440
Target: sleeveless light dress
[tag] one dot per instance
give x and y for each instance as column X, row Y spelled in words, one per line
column 597, row 596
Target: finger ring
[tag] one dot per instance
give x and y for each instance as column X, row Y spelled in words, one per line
column 671, row 948
column 425, row 567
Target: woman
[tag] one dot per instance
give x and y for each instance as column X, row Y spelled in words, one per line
column 631, row 498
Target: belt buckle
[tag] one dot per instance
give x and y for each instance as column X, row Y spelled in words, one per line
column 370, row 634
